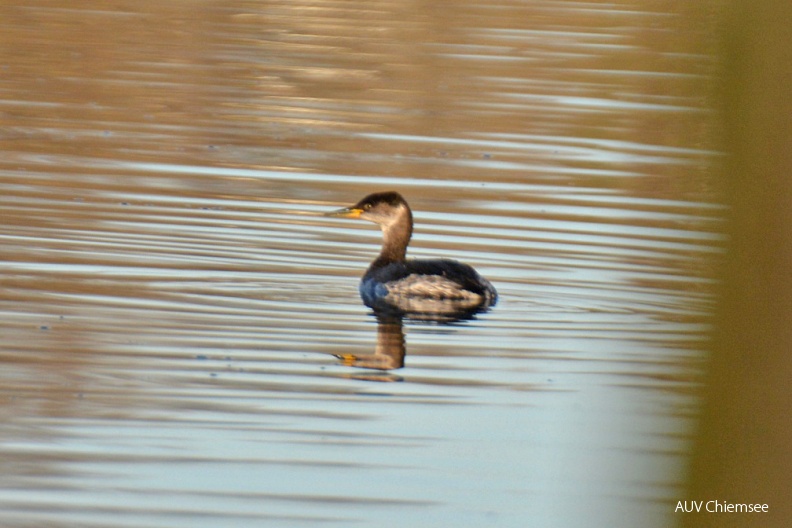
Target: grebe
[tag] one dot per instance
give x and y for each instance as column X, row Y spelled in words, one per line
column 413, row 286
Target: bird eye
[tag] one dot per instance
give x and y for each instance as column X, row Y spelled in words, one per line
column 367, row 207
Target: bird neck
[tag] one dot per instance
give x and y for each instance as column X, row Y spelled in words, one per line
column 395, row 237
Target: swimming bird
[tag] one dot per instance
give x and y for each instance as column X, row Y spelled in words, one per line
column 432, row 286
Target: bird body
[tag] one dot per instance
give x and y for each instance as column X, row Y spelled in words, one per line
column 413, row 285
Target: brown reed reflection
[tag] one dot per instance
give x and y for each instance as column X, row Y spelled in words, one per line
column 741, row 450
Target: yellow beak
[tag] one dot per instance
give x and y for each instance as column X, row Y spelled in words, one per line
column 348, row 212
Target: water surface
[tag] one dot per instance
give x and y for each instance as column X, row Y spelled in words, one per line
column 173, row 302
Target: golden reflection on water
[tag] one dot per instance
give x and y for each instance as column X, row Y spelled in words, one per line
column 166, row 313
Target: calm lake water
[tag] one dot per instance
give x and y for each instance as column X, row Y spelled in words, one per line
column 173, row 302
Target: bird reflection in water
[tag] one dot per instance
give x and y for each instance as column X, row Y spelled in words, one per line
column 390, row 350
column 437, row 291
